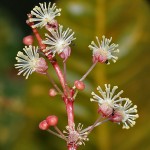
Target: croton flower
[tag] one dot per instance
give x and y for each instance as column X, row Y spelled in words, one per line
column 104, row 51
column 59, row 41
column 30, row 62
column 44, row 14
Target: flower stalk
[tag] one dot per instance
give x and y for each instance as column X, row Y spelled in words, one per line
column 62, row 79
column 70, row 110
column 89, row 70
column 53, row 83
column 56, row 134
column 36, row 33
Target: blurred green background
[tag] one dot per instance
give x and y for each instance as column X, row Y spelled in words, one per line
column 24, row 103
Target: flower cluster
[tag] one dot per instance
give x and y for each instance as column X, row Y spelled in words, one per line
column 76, row 136
column 58, row 42
column 114, row 107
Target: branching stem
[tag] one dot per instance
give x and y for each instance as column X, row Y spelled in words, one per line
column 57, row 129
column 90, row 69
column 54, row 133
column 67, row 92
column 97, row 124
column 53, row 83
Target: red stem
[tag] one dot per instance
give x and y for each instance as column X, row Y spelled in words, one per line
column 70, row 110
column 38, row 37
column 60, row 75
column 68, row 98
column 36, row 33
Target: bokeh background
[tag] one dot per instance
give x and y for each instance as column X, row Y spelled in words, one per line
column 24, row 103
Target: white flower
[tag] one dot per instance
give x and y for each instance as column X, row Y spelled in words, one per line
column 30, row 61
column 76, row 136
column 59, row 41
column 104, row 51
column 125, row 114
column 107, row 101
column 44, row 14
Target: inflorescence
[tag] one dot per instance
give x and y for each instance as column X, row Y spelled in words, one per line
column 57, row 41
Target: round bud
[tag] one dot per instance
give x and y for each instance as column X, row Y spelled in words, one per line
column 65, row 53
column 43, row 125
column 41, row 66
column 28, row 40
column 52, row 92
column 52, row 120
column 79, row 85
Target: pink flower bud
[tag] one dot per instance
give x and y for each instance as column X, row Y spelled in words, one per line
column 52, row 92
column 41, row 66
column 52, row 120
column 79, row 85
column 105, row 109
column 43, row 125
column 28, row 40
column 116, row 117
column 65, row 53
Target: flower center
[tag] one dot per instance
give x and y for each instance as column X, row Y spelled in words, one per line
column 73, row 137
column 102, row 52
column 33, row 63
column 61, row 44
column 47, row 18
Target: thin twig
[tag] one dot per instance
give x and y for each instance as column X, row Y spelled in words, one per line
column 65, row 78
column 90, row 69
column 64, row 70
column 57, row 129
column 93, row 126
column 97, row 124
column 54, row 133
column 74, row 96
column 53, row 83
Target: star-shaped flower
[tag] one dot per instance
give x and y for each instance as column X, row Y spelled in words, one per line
column 125, row 114
column 44, row 14
column 103, row 52
column 30, row 62
column 76, row 136
column 59, row 41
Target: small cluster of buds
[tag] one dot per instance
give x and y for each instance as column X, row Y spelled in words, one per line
column 49, row 121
